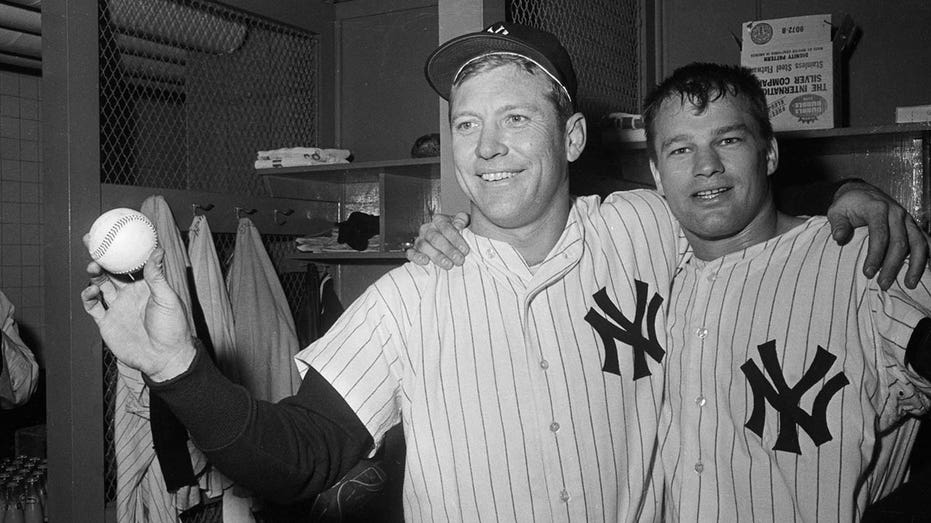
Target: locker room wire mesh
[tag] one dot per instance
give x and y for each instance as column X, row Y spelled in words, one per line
column 190, row 90
column 602, row 36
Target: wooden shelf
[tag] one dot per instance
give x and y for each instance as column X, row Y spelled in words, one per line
column 349, row 256
column 389, row 166
column 402, row 193
column 610, row 138
column 873, row 130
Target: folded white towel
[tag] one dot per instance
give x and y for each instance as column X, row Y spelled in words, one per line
column 311, row 153
column 292, row 162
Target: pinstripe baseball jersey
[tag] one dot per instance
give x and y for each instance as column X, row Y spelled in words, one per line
column 526, row 393
column 787, row 394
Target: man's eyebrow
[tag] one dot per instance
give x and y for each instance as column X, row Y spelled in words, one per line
column 731, row 128
column 717, row 132
column 529, row 107
column 460, row 114
column 673, row 139
column 525, row 106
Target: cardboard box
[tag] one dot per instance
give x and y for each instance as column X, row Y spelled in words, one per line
column 798, row 62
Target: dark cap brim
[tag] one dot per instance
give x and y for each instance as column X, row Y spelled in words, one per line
column 445, row 63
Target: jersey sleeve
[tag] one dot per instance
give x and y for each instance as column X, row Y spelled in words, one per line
column 19, row 372
column 902, row 320
column 360, row 354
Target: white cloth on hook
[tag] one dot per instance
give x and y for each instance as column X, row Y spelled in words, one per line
column 213, row 296
column 266, row 339
column 141, row 494
column 176, row 264
column 218, row 316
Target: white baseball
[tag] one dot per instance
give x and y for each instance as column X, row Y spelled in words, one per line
column 120, row 240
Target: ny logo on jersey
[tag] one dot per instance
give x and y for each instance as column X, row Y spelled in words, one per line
column 786, row 400
column 629, row 332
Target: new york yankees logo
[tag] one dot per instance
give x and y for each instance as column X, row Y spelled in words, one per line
column 786, row 400
column 629, row 332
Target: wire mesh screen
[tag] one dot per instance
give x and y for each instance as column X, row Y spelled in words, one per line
column 279, row 247
column 190, row 90
column 602, row 36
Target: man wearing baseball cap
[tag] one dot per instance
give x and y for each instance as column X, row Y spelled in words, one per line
column 528, row 380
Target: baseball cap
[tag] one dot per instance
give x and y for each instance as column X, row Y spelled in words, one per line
column 540, row 47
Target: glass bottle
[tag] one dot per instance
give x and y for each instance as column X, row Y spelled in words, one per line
column 32, row 506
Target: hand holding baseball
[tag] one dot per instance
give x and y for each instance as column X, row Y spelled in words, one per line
column 142, row 322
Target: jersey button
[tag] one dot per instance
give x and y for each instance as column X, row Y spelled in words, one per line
column 554, row 427
column 701, row 332
column 712, row 277
column 490, row 253
column 564, row 496
column 700, row 401
column 699, row 467
column 544, row 364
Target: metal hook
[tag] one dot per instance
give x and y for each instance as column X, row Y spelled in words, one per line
column 286, row 212
column 242, row 210
column 203, row 208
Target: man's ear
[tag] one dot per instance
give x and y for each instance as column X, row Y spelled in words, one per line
column 772, row 156
column 659, row 183
column 576, row 136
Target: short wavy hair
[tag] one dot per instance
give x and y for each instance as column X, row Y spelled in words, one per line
column 702, row 83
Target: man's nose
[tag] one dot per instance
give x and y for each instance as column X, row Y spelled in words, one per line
column 708, row 162
column 490, row 143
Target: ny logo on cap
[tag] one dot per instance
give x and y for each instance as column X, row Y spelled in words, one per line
column 497, row 29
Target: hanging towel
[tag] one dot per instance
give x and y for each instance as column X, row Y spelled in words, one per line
column 213, row 296
column 217, row 315
column 170, row 441
column 266, row 339
column 141, row 492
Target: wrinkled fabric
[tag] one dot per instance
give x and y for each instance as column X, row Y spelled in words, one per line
column 141, row 488
column 19, row 372
column 178, row 468
column 214, row 300
column 266, row 339
column 308, row 318
column 213, row 296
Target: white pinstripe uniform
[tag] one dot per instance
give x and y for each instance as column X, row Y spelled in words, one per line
column 803, row 293
column 497, row 375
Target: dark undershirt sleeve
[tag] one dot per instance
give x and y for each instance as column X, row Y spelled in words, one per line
column 284, row 452
column 918, row 352
column 169, row 438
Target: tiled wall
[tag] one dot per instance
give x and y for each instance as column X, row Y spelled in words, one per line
column 21, row 214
